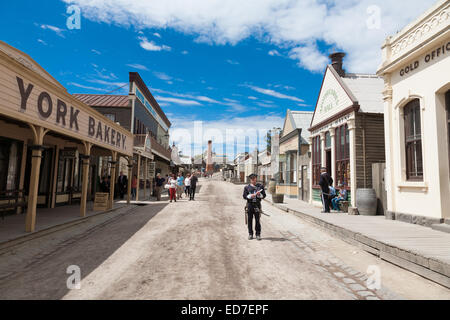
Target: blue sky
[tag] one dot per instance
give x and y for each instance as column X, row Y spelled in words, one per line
column 226, row 63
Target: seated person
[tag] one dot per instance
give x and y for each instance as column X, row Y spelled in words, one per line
column 343, row 196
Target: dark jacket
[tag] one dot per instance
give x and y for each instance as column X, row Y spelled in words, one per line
column 325, row 182
column 159, row 181
column 122, row 183
column 251, row 190
column 194, row 180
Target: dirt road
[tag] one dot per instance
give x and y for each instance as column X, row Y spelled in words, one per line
column 199, row 250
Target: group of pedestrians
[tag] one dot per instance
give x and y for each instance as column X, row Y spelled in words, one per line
column 121, row 185
column 177, row 185
column 331, row 198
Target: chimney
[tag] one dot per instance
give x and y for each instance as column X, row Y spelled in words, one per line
column 336, row 62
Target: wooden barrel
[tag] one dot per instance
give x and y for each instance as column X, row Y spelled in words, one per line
column 366, row 202
column 272, row 186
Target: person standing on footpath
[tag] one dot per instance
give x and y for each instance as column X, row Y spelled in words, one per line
column 122, row 183
column 173, row 188
column 133, row 187
column 187, row 185
column 194, row 180
column 159, row 184
column 325, row 183
column 254, row 193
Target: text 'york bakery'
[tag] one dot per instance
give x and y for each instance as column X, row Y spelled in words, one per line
column 68, row 117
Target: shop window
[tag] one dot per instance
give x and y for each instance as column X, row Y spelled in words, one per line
column 10, row 159
column 343, row 156
column 291, row 168
column 110, row 116
column 316, row 160
column 413, row 141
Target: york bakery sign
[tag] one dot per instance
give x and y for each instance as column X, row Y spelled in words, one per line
column 58, row 113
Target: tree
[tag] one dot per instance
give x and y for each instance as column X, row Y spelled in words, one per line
column 269, row 140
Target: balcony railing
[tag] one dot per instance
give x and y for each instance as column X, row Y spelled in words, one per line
column 139, row 141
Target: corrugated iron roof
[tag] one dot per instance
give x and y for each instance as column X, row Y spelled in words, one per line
column 103, row 100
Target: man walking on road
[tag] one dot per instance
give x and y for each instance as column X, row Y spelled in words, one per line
column 194, row 180
column 254, row 193
column 325, row 183
column 180, row 185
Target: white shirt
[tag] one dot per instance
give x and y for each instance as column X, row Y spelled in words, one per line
column 187, row 182
column 173, row 183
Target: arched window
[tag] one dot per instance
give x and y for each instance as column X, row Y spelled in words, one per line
column 343, row 156
column 413, row 141
column 316, row 160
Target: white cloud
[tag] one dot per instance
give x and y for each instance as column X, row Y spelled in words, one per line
column 162, row 76
column 156, row 34
column 152, row 46
column 85, row 87
column 185, row 52
column 274, row 53
column 137, row 66
column 57, row 30
column 96, row 51
column 286, row 23
column 108, row 83
column 274, row 93
column 253, row 98
column 42, row 42
column 179, row 101
column 232, row 62
column 310, row 58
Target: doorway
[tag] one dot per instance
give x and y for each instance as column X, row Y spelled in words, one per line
column 45, row 176
column 328, row 163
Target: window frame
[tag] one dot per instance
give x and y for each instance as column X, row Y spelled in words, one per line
column 342, row 156
column 316, row 160
column 411, row 143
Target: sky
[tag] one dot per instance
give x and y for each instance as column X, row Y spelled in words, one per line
column 220, row 64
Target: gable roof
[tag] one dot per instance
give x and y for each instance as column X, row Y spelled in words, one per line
column 368, row 90
column 103, row 100
column 302, row 120
column 298, row 120
column 353, row 92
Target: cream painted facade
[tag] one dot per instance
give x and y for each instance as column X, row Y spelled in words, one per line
column 416, row 65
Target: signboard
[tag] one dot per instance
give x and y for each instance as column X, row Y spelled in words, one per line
column 68, row 153
column 149, row 107
column 332, row 99
column 27, row 96
column 148, row 144
column 101, row 201
column 151, row 169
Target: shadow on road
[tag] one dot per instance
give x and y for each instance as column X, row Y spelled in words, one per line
column 274, row 239
column 46, row 277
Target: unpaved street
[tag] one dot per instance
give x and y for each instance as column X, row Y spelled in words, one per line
column 199, row 250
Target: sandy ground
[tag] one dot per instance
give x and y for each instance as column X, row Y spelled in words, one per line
column 199, row 250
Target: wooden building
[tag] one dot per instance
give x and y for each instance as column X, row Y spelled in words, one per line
column 347, row 129
column 50, row 141
column 294, row 158
column 141, row 114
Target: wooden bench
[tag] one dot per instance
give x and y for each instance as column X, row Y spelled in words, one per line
column 11, row 200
